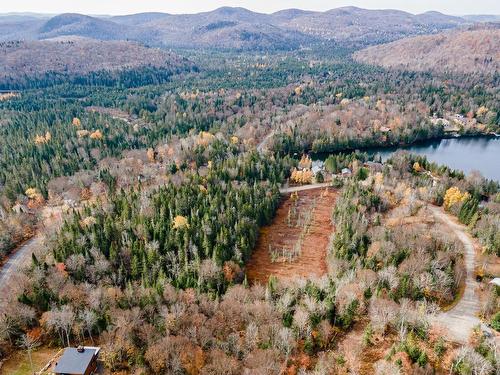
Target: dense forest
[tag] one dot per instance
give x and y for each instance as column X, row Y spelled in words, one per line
column 166, row 180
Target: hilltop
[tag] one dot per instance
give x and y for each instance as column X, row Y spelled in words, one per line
column 77, row 55
column 239, row 28
column 464, row 51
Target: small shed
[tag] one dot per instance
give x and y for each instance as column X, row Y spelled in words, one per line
column 77, row 361
column 346, row 172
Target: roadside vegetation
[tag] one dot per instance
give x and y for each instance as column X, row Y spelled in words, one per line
column 165, row 197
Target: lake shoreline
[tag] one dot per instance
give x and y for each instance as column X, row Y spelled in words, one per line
column 465, row 153
column 389, row 146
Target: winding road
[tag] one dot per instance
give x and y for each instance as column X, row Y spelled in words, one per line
column 459, row 321
column 16, row 262
column 21, row 257
column 462, row 318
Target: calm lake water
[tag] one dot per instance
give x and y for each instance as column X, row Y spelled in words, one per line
column 480, row 153
column 467, row 154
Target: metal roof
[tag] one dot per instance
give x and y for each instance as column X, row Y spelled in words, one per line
column 73, row 362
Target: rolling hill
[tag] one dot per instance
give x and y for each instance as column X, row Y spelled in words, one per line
column 369, row 26
column 236, row 28
column 78, row 55
column 463, row 51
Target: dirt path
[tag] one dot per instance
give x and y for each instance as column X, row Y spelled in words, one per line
column 461, row 319
column 293, row 189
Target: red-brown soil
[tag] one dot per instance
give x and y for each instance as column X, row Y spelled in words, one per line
column 311, row 262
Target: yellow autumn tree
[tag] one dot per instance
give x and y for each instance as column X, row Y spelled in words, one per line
column 180, row 222
column 36, row 198
column 31, row 193
column 301, row 177
column 42, row 139
column 453, row 196
column 96, row 135
column 482, row 111
column 76, row 122
column 417, row 167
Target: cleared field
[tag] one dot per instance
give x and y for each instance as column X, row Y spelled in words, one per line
column 296, row 242
column 19, row 364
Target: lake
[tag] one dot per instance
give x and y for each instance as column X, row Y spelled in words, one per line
column 481, row 153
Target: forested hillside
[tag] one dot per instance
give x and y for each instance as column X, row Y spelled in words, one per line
column 147, row 181
column 78, row 57
column 470, row 51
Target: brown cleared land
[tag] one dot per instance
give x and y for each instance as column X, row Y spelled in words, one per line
column 313, row 209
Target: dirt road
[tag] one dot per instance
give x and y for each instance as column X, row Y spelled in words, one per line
column 462, row 318
column 293, row 189
column 11, row 270
column 14, row 265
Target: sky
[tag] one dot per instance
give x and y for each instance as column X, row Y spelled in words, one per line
column 114, row 7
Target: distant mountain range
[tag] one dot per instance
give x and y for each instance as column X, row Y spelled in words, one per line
column 475, row 50
column 237, row 28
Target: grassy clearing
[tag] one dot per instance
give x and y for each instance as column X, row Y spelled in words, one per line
column 19, row 364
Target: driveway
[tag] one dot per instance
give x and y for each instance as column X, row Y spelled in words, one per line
column 462, row 318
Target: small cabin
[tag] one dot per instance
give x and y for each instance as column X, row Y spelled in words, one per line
column 77, row 361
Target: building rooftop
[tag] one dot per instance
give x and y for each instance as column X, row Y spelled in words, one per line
column 74, row 361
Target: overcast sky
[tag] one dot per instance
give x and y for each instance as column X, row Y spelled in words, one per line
column 456, row 7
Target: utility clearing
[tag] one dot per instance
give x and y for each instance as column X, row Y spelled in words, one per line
column 295, row 244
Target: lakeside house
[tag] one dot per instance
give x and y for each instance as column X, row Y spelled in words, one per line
column 77, row 361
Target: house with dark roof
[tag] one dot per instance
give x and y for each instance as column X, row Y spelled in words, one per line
column 77, row 361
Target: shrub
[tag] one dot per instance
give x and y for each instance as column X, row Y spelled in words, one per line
column 495, row 322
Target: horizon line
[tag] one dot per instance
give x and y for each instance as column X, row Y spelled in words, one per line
column 51, row 14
